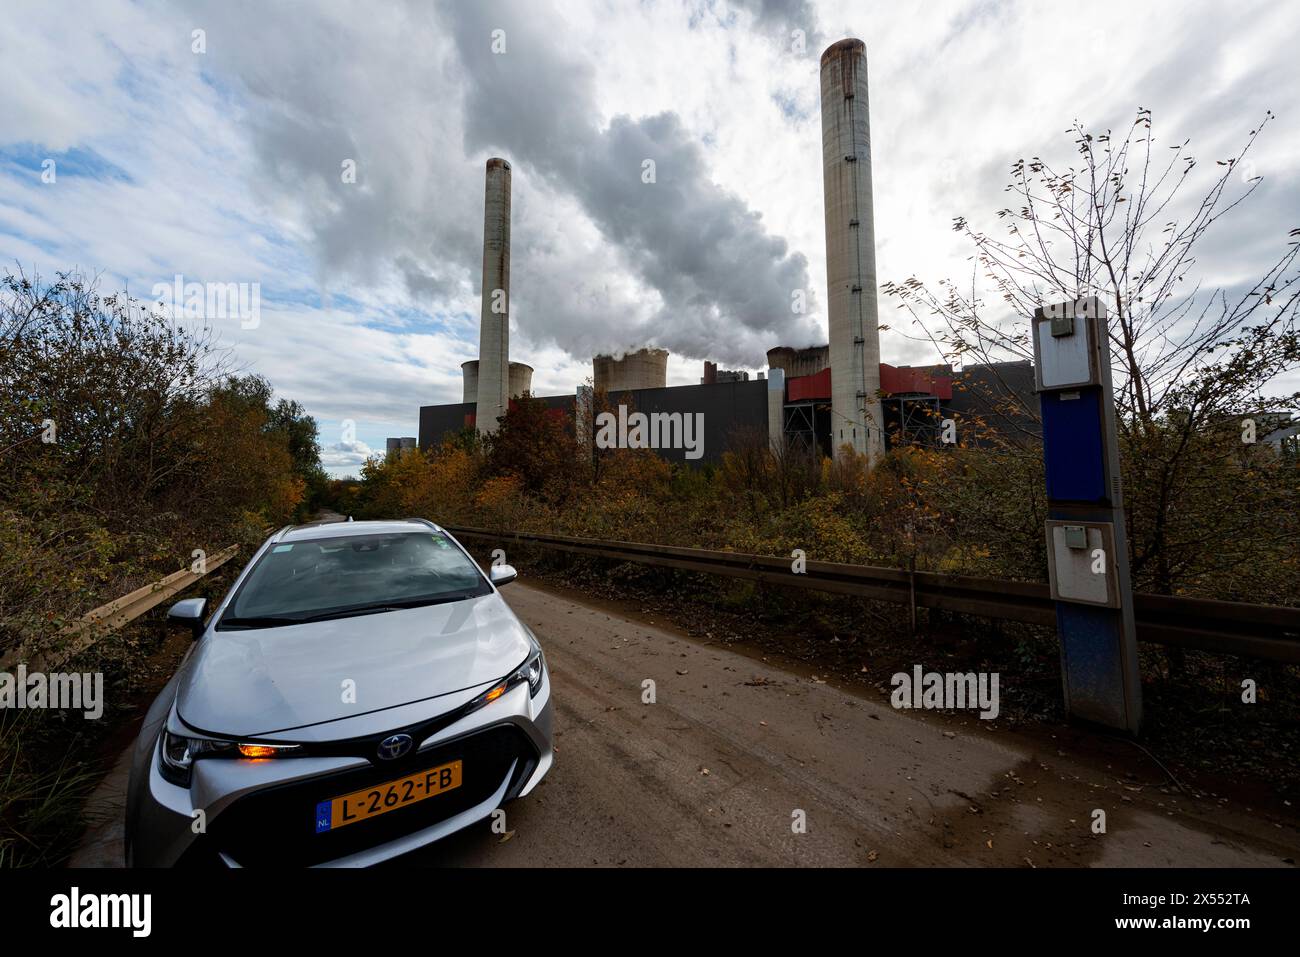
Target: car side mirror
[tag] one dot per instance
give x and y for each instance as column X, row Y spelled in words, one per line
column 188, row 612
column 502, row 574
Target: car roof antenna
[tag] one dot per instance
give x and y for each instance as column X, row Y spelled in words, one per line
column 349, row 518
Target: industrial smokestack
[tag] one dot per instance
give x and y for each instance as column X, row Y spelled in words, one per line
column 856, row 418
column 494, row 316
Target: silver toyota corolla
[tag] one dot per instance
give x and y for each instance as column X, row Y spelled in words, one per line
column 362, row 691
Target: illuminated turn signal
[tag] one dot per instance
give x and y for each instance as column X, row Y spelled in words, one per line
column 495, row 693
column 257, row 750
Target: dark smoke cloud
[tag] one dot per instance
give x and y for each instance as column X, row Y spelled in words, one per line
column 725, row 282
column 418, row 99
column 779, row 18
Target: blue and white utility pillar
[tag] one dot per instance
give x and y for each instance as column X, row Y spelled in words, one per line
column 1087, row 549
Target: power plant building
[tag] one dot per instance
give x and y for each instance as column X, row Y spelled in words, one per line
column 795, row 409
column 821, row 398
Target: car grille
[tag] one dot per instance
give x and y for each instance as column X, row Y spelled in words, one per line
column 277, row 826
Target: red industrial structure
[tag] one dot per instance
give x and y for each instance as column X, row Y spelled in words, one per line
column 911, row 397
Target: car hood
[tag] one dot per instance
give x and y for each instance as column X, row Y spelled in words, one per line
column 268, row 680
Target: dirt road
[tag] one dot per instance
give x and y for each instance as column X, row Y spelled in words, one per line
column 716, row 771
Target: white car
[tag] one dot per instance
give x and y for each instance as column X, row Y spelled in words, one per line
column 362, row 691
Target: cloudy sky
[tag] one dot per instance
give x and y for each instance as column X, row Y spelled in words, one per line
column 220, row 156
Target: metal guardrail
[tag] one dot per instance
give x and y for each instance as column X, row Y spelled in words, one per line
column 85, row 631
column 1269, row 632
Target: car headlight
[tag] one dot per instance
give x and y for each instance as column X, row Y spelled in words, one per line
column 178, row 752
column 533, row 669
column 530, row 671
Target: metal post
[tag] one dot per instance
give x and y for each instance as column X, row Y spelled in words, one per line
column 1087, row 549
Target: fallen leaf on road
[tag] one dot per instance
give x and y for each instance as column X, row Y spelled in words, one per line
column 872, row 856
column 989, row 844
column 506, row 836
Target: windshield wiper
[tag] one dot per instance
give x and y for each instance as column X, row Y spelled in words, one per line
column 387, row 606
column 433, row 599
column 257, row 621
column 272, row 621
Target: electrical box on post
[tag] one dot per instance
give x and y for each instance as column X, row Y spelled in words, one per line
column 1087, row 549
column 1065, row 347
column 1080, row 562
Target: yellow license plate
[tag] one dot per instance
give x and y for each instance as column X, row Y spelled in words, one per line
column 389, row 796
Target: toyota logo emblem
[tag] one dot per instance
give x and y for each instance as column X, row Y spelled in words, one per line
column 394, row 746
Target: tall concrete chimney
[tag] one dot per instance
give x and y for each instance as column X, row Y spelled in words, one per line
column 856, row 417
column 494, row 316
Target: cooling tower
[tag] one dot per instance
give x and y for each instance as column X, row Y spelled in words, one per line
column 798, row 362
column 521, row 378
column 469, row 376
column 643, row 369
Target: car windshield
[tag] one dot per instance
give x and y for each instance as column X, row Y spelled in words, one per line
column 355, row 574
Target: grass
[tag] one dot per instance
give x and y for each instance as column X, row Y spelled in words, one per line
column 43, row 788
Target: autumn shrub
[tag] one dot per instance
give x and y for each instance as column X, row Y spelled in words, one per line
column 974, row 508
column 502, row 502
column 125, row 445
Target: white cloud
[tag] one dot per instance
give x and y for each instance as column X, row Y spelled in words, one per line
column 225, row 166
column 345, row 456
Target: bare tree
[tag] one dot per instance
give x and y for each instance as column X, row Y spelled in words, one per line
column 1122, row 224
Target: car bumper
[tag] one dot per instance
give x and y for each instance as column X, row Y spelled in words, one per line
column 239, row 813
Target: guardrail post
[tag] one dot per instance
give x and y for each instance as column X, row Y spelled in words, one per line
column 1087, row 549
column 911, row 591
